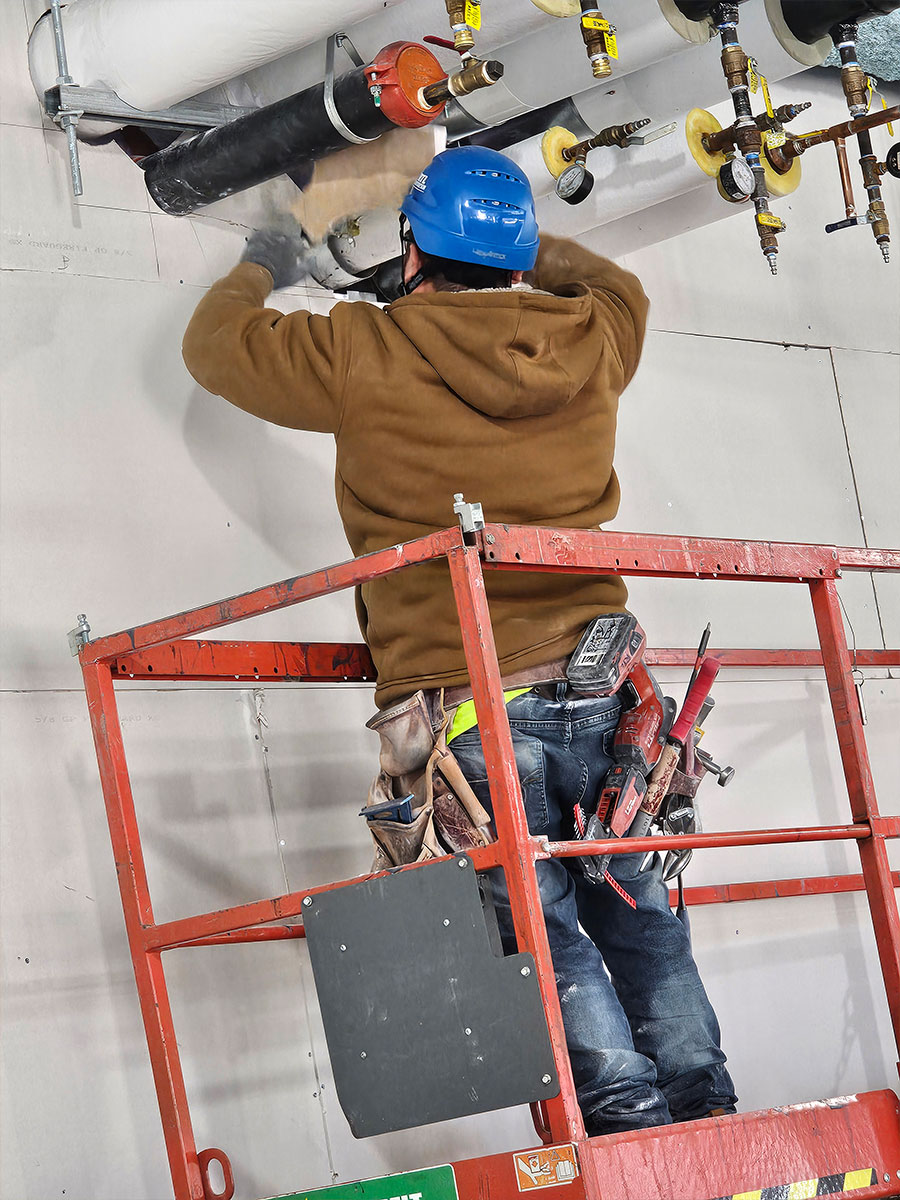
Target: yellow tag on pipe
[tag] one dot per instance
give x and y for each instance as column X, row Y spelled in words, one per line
column 768, row 99
column 612, row 46
column 775, row 138
column 473, row 15
column 769, row 219
column 753, row 77
column 872, row 90
column 596, row 23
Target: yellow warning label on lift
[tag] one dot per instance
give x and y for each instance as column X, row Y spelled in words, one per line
column 805, row 1189
column 548, row 1167
column 473, row 14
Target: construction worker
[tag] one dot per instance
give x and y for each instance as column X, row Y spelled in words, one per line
column 479, row 382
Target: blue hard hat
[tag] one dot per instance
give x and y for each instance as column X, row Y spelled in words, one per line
column 474, row 205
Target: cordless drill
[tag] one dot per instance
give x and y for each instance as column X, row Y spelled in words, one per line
column 607, row 659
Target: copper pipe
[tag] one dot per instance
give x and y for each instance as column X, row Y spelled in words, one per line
column 840, row 147
column 795, row 146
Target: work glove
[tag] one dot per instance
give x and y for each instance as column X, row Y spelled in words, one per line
column 282, row 252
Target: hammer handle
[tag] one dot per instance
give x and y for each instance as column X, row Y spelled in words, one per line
column 690, row 710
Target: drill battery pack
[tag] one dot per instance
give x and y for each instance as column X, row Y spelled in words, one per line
column 609, row 648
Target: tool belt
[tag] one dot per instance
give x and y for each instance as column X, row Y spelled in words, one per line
column 420, row 804
column 443, row 814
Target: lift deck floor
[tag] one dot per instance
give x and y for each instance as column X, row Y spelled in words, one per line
column 848, row 1146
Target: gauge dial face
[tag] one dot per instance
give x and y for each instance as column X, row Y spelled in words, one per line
column 570, row 181
column 574, row 184
column 737, row 178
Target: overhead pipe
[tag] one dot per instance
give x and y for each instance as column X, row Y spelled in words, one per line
column 154, row 53
column 540, row 56
column 809, row 20
column 402, row 86
column 663, row 169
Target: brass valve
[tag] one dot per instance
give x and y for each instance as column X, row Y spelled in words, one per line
column 597, row 32
column 463, row 38
column 471, row 78
column 735, row 64
column 853, row 81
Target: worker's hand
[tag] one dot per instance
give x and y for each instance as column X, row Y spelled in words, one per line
column 283, row 254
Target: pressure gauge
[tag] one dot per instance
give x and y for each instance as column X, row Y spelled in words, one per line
column 892, row 162
column 575, row 184
column 736, row 180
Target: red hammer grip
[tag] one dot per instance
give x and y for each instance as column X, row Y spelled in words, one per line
column 690, row 710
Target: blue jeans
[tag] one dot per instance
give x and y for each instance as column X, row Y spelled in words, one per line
column 643, row 1038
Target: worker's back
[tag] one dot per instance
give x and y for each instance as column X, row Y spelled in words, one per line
column 509, row 396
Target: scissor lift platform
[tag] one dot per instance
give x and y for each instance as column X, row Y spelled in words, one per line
column 849, row 1146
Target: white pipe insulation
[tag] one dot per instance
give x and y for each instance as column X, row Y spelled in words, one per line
column 544, row 57
column 640, row 176
column 153, row 53
column 411, row 20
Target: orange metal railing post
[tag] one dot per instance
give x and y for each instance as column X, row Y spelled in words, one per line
column 860, row 787
column 517, row 847
column 148, row 970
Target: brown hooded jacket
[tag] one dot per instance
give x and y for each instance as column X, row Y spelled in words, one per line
column 509, row 397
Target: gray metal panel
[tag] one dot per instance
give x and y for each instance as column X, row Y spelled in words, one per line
column 423, row 1022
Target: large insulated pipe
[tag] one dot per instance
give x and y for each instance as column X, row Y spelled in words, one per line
column 662, row 169
column 356, row 107
column 809, row 20
column 542, row 61
column 153, row 53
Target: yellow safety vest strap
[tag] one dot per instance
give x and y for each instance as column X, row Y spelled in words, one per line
column 464, row 718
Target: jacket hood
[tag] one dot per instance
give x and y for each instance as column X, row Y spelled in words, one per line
column 508, row 352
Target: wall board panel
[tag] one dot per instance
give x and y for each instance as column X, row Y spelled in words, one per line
column 702, row 450
column 869, row 387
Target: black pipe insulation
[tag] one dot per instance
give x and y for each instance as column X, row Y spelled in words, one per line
column 278, row 138
column 809, row 20
column 287, row 136
column 698, row 10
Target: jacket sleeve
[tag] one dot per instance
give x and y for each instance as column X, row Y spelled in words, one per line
column 619, row 299
column 289, row 368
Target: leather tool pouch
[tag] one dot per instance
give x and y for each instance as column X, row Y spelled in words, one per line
column 415, row 760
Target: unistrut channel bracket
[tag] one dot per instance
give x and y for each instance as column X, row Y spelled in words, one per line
column 99, row 104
